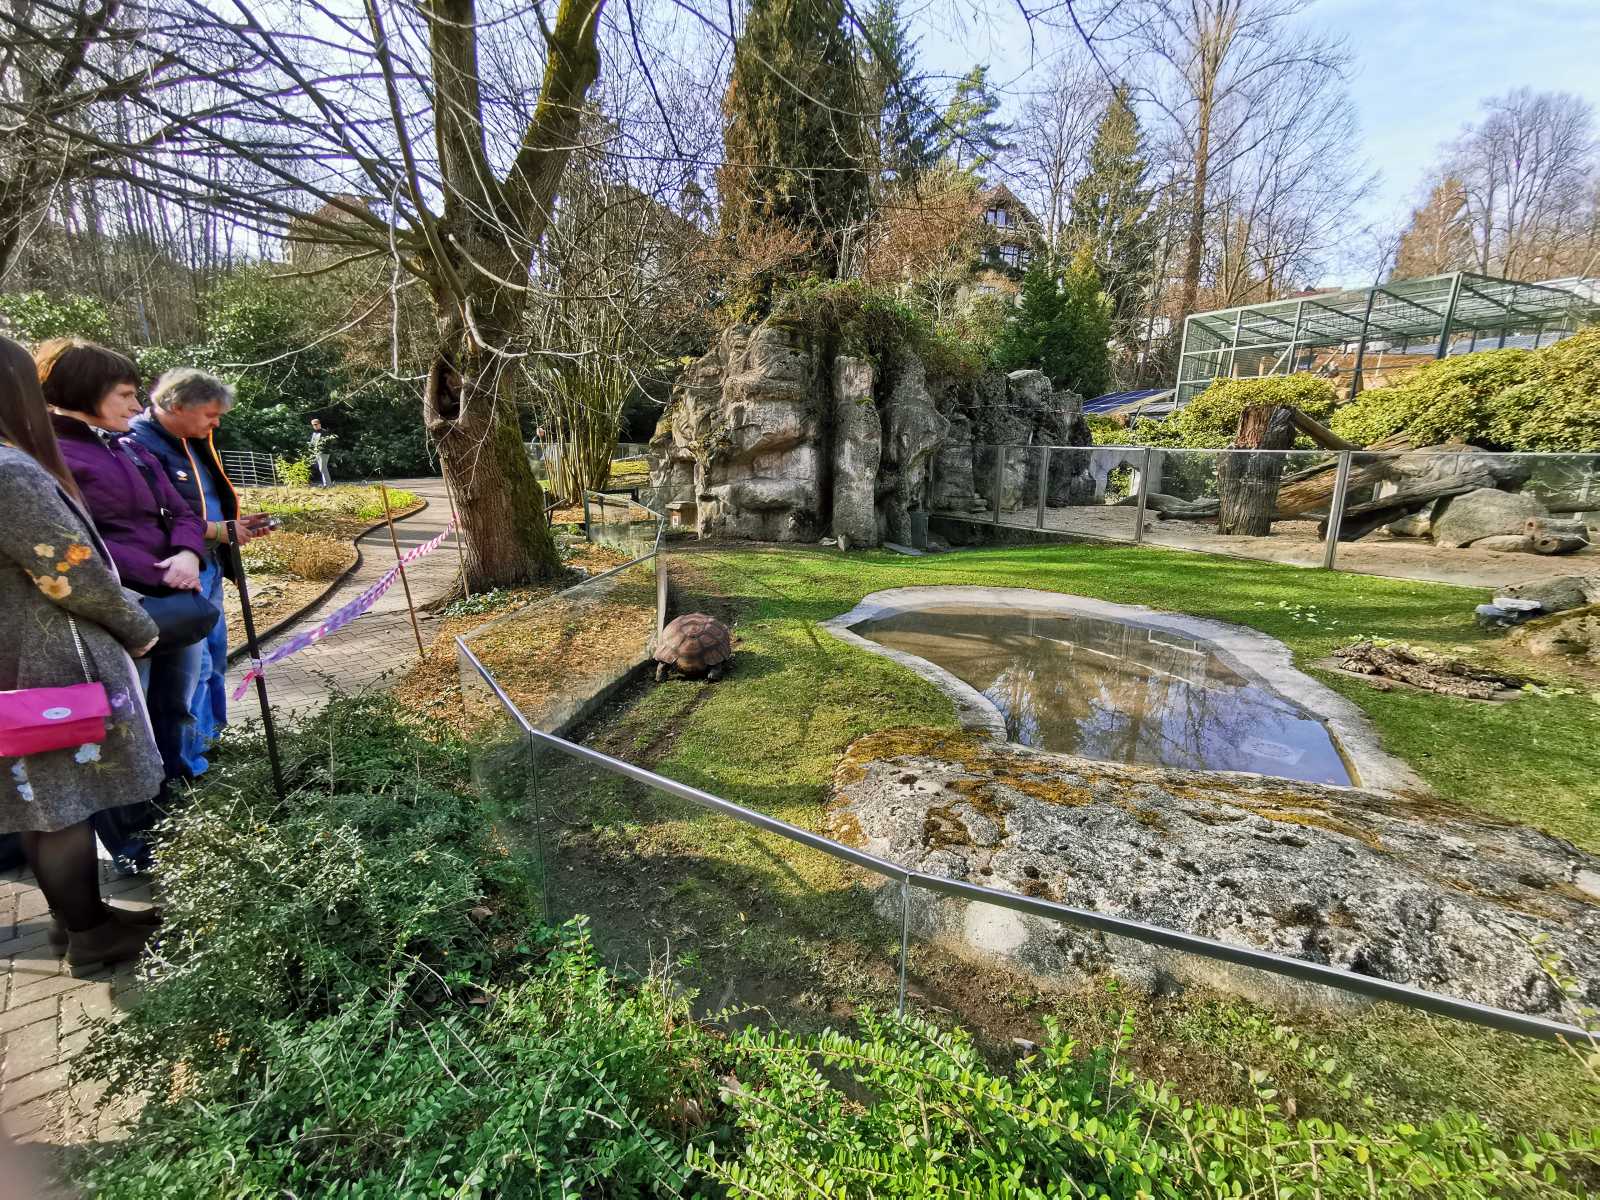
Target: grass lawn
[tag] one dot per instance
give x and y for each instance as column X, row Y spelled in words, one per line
column 803, row 696
column 749, row 918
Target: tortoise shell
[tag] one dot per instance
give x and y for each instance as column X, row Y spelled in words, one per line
column 694, row 643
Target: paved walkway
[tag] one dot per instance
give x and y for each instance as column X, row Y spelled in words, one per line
column 379, row 645
column 44, row 1007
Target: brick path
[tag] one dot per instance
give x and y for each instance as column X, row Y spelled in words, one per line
column 45, row 1005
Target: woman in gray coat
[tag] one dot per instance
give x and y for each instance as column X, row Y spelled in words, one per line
column 53, row 567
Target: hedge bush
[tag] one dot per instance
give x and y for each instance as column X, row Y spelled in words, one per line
column 350, row 997
column 1545, row 399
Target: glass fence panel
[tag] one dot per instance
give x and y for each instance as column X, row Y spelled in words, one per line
column 499, row 750
column 559, row 657
column 1201, row 1024
column 1265, row 504
column 622, row 524
column 1464, row 516
column 1093, row 491
column 756, row 925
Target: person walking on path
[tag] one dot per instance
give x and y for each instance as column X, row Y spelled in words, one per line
column 68, row 622
column 320, row 441
column 186, row 407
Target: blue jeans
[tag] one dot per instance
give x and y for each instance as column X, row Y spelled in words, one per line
column 208, row 704
column 168, row 680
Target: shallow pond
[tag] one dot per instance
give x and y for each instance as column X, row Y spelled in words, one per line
column 1116, row 690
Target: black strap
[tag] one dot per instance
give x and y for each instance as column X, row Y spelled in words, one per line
column 163, row 513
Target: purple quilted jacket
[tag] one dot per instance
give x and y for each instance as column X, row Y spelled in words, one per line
column 119, row 498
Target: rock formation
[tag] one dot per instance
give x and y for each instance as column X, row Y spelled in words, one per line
column 1406, row 889
column 769, row 437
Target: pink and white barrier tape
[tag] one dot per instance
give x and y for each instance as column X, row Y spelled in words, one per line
column 342, row 617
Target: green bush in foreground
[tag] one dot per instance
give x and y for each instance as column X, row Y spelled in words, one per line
column 352, row 997
column 928, row 1118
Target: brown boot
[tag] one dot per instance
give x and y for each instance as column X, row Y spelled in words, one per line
column 109, row 942
column 150, row 917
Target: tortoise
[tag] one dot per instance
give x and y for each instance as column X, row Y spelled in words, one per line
column 697, row 645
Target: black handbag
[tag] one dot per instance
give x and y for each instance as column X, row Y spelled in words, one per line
column 183, row 617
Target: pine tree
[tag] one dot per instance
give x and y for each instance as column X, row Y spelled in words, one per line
column 897, row 94
column 1111, row 217
column 969, row 134
column 793, row 138
column 1062, row 326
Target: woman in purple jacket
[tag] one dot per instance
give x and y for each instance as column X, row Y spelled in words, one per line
column 154, row 537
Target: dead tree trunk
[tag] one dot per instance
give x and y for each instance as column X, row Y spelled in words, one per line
column 1247, row 484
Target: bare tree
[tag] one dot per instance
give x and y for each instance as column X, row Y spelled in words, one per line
column 1527, row 173
column 1215, row 65
column 1439, row 237
column 1051, row 138
column 429, row 136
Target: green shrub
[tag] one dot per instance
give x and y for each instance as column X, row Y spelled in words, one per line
column 295, row 472
column 35, row 317
column 352, row 997
column 1500, row 399
column 1107, row 431
column 1211, row 419
column 927, row 1117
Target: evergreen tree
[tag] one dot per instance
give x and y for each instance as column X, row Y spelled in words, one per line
column 793, row 137
column 897, row 94
column 1062, row 326
column 1111, row 217
column 970, row 135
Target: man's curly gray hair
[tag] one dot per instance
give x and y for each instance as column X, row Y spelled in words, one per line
column 187, row 387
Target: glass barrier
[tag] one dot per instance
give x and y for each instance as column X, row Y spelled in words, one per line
column 558, row 657
column 752, row 922
column 622, row 524
column 1469, row 517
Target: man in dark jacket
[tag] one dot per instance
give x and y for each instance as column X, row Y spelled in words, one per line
column 187, row 406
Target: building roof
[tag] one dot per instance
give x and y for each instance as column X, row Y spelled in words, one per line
column 1127, row 403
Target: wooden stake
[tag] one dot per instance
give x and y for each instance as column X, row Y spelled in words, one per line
column 388, row 515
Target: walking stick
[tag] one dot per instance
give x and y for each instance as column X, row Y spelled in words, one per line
column 388, row 515
column 254, row 648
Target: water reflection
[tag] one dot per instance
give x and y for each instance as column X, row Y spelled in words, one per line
column 1116, row 691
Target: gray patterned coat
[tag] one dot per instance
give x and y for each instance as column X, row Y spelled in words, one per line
column 52, row 563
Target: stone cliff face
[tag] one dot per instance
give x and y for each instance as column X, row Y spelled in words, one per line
column 768, row 437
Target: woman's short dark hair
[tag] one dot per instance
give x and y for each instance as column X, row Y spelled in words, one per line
column 75, row 374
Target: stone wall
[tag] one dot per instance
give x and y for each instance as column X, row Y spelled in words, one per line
column 770, row 437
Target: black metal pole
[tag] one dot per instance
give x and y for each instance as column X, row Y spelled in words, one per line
column 255, row 656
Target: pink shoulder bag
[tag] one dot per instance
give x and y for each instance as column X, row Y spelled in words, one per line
column 37, row 720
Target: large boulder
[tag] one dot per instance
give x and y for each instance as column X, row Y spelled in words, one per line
column 857, row 452
column 1558, row 594
column 1574, row 634
column 1484, row 512
column 913, row 430
column 1406, row 889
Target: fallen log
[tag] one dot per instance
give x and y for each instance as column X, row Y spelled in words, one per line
column 1556, row 537
column 1447, row 676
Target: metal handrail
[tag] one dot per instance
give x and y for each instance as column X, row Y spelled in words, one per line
column 1265, row 960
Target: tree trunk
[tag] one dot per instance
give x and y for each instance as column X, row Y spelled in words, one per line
column 471, row 415
column 1247, row 484
column 1195, row 251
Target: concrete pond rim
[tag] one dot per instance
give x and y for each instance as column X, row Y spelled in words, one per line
column 1269, row 659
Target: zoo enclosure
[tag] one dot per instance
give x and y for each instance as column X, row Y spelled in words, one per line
column 1311, row 507
column 1368, row 337
column 529, row 765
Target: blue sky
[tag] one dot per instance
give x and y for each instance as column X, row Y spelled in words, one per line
column 1421, row 69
